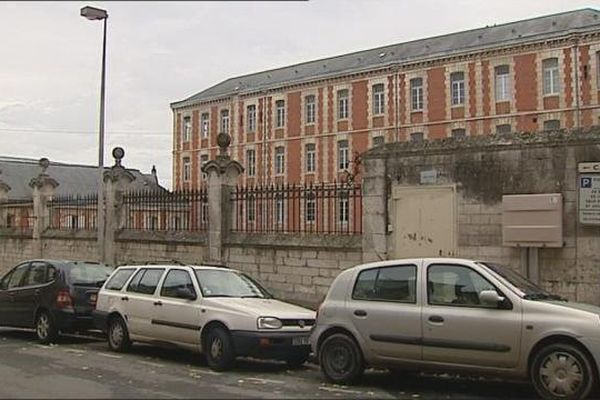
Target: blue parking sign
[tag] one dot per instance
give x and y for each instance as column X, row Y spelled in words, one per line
column 586, row 182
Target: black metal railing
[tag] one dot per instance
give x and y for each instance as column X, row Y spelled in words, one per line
column 326, row 208
column 74, row 212
column 185, row 210
column 18, row 214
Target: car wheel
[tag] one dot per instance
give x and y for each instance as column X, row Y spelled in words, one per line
column 341, row 359
column 562, row 371
column 218, row 349
column 45, row 328
column 118, row 335
column 296, row 359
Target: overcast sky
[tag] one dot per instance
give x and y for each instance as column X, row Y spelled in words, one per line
column 160, row 52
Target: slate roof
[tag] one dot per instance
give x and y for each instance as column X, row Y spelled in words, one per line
column 544, row 27
column 72, row 178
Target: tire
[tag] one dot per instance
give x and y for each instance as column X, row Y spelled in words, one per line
column 295, row 360
column 219, row 351
column 562, row 371
column 118, row 335
column 45, row 328
column 341, row 359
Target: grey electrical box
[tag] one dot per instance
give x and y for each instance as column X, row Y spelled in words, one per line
column 532, row 220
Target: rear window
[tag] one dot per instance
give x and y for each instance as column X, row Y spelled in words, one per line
column 87, row 274
column 394, row 283
column 117, row 281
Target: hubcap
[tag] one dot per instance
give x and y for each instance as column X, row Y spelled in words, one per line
column 339, row 359
column 116, row 334
column 216, row 348
column 561, row 374
column 43, row 326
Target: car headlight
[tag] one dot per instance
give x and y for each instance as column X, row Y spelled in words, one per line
column 269, row 323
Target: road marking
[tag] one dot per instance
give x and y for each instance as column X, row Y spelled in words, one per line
column 205, row 371
column 109, row 355
column 263, row 381
column 75, row 351
column 151, row 364
column 333, row 389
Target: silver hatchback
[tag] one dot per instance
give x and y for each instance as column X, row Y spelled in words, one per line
column 456, row 315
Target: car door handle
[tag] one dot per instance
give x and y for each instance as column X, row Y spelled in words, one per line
column 158, row 303
column 360, row 313
column 125, row 298
column 436, row 319
column 37, row 292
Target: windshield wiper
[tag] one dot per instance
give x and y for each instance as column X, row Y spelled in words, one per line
column 252, row 296
column 543, row 296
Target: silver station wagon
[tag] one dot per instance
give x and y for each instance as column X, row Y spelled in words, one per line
column 456, row 315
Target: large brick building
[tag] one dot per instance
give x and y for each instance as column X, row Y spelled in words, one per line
column 306, row 122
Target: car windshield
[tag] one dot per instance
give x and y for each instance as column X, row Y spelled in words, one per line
column 87, row 273
column 530, row 290
column 222, row 283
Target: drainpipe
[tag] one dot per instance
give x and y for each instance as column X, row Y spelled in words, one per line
column 576, row 66
column 396, row 103
column 265, row 162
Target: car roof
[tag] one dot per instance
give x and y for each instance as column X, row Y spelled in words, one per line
column 428, row 260
column 162, row 266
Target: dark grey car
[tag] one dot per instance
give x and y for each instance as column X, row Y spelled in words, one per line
column 51, row 296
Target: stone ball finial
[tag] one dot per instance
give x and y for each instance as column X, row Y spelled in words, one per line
column 118, row 153
column 223, row 140
column 44, row 163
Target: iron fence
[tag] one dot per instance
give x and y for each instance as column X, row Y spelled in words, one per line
column 185, row 210
column 326, row 208
column 18, row 214
column 74, row 212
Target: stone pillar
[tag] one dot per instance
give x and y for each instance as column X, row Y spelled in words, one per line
column 374, row 203
column 117, row 180
column 43, row 189
column 4, row 189
column 222, row 177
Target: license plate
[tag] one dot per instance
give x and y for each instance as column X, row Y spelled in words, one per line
column 300, row 341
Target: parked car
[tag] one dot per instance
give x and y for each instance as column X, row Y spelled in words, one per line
column 51, row 296
column 218, row 311
column 456, row 315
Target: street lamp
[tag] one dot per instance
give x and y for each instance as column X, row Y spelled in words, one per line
column 97, row 14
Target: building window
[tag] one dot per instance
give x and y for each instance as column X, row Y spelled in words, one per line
column 416, row 94
column 310, row 109
column 279, row 160
column 378, row 99
column 280, row 114
column 224, row 121
column 459, row 133
column 457, row 88
column 503, row 129
column 187, row 170
column 502, row 82
column 251, row 162
column 203, row 161
column 251, row 209
column 279, row 209
column 251, row 118
column 344, row 210
column 342, row 96
column 416, row 137
column 310, row 157
column 343, row 161
column 310, row 208
column 552, row 125
column 378, row 141
column 551, row 80
column 204, row 124
column 187, row 129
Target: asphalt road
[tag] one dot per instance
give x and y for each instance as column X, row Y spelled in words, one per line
column 81, row 367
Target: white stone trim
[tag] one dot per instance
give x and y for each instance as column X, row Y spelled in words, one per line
column 408, row 95
column 386, row 101
column 493, row 63
column 336, row 89
column 449, row 70
column 303, row 124
column 540, row 57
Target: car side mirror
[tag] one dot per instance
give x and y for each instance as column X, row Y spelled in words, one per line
column 186, row 293
column 490, row 298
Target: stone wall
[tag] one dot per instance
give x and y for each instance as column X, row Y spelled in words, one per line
column 486, row 168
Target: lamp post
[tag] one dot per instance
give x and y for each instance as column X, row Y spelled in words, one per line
column 97, row 14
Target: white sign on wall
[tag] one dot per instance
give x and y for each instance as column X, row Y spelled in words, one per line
column 589, row 199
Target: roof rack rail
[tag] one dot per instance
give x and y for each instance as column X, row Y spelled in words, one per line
column 153, row 262
column 213, row 264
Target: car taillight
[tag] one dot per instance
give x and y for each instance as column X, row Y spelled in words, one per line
column 93, row 299
column 63, row 299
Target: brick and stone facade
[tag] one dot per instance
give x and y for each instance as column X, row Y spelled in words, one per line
column 517, row 101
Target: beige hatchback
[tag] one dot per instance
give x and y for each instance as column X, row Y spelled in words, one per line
column 456, row 315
